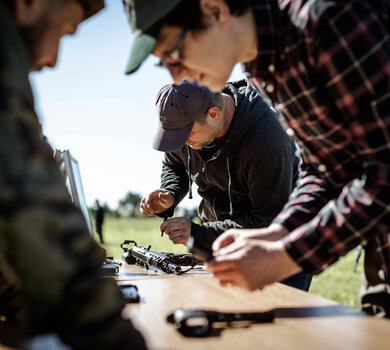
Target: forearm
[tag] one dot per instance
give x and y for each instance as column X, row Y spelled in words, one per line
column 209, row 231
column 174, row 177
column 309, row 196
column 248, row 220
column 357, row 215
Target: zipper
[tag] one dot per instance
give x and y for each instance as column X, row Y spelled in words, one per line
column 215, row 156
column 213, row 208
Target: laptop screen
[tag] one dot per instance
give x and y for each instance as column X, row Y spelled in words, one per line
column 71, row 172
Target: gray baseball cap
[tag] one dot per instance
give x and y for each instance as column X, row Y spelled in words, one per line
column 178, row 106
column 145, row 17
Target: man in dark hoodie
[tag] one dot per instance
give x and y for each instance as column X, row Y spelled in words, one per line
column 233, row 147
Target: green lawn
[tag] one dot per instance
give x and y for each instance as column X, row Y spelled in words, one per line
column 338, row 282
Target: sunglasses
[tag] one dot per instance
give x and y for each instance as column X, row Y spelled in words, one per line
column 174, row 58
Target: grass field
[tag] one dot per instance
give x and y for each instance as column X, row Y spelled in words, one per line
column 338, row 282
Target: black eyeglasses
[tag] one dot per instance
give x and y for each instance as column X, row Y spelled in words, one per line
column 174, row 58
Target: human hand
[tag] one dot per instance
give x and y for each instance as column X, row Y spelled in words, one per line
column 178, row 229
column 273, row 232
column 157, row 201
column 251, row 263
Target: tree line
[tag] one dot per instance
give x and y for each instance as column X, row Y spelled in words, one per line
column 127, row 206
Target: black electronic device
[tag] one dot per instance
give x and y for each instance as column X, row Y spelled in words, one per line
column 199, row 249
column 109, row 269
column 130, row 293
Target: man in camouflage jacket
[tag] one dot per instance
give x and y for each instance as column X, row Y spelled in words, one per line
column 49, row 265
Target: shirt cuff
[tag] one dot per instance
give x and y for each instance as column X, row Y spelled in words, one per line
column 299, row 248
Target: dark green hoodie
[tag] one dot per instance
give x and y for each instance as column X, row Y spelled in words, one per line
column 247, row 180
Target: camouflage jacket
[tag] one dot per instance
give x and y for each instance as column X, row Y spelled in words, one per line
column 49, row 264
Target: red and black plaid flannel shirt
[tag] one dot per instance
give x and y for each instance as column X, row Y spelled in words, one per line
column 326, row 67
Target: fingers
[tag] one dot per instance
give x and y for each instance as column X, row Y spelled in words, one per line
column 178, row 230
column 157, row 201
column 230, row 272
column 220, row 267
column 252, row 264
column 235, row 247
column 145, row 208
column 222, row 264
column 166, row 198
column 177, row 238
column 227, row 274
column 224, row 240
column 175, row 224
column 229, row 277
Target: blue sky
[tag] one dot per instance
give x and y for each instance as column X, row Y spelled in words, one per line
column 105, row 118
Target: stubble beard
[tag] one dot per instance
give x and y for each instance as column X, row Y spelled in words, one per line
column 32, row 37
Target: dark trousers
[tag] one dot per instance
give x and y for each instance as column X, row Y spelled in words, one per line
column 301, row 280
column 99, row 230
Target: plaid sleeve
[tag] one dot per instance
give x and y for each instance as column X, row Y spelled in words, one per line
column 309, row 196
column 351, row 58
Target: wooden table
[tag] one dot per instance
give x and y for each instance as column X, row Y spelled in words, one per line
column 303, row 321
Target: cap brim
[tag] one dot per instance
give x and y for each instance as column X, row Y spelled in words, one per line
column 143, row 45
column 167, row 140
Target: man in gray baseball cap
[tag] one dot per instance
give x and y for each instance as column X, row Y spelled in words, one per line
column 233, row 147
column 179, row 106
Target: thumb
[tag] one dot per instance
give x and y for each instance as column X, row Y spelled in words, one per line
column 164, row 196
column 224, row 240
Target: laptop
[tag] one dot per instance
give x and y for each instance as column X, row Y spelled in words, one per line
column 70, row 170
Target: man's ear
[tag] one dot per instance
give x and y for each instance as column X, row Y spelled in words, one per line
column 214, row 113
column 217, row 11
column 28, row 12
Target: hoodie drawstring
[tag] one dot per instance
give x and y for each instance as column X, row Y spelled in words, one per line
column 229, row 187
column 189, row 173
